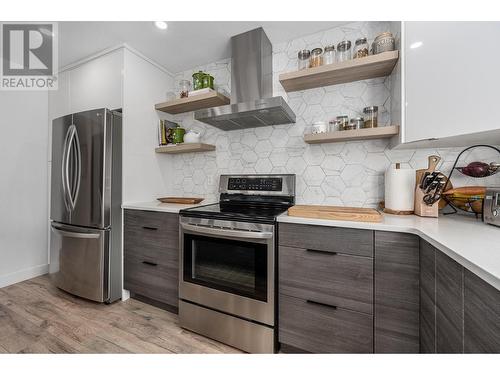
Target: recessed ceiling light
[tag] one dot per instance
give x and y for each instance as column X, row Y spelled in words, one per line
column 162, row 25
column 416, row 45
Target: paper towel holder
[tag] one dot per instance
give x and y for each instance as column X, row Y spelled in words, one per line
column 394, row 212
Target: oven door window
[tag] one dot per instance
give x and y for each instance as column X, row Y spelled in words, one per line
column 237, row 267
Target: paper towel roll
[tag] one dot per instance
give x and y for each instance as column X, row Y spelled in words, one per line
column 400, row 189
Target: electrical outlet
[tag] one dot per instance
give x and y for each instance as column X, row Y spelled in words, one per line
column 210, row 180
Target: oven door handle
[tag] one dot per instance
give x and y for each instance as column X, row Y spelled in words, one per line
column 226, row 232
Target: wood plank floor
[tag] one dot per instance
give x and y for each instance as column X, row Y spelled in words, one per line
column 36, row 317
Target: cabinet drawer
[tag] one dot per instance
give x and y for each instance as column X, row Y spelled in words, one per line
column 318, row 328
column 157, row 281
column 162, row 221
column 147, row 231
column 336, row 279
column 340, row 240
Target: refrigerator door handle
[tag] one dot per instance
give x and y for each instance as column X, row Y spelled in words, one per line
column 64, row 167
column 66, row 184
column 78, row 164
column 66, row 233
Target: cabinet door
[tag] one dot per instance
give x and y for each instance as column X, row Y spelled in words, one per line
column 449, row 305
column 427, row 298
column 396, row 293
column 481, row 316
column 447, row 88
column 97, row 84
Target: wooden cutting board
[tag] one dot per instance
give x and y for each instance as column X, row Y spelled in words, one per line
column 180, row 200
column 336, row 213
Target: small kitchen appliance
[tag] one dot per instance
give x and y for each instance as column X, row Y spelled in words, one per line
column 491, row 208
column 228, row 259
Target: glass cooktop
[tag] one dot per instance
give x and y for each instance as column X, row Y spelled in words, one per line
column 259, row 213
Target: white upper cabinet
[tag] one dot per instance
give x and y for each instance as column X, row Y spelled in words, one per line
column 450, row 82
column 97, row 83
column 93, row 84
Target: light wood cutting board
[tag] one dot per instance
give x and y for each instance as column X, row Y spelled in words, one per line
column 336, row 213
column 180, row 200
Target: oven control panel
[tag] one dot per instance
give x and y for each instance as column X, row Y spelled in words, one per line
column 255, row 183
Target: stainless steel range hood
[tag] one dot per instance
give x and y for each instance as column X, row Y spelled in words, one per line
column 252, row 104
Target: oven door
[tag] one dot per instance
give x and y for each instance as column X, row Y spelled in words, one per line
column 228, row 266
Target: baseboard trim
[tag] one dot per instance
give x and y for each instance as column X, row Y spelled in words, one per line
column 25, row 274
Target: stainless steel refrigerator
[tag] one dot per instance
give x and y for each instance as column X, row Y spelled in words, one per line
column 85, row 213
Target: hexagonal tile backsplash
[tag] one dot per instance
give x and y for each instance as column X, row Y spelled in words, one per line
column 349, row 173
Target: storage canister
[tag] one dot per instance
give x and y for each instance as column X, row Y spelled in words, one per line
column 371, row 116
column 383, row 42
column 344, row 51
column 319, row 127
column 329, row 55
column 198, row 80
column 316, row 58
column 335, row 125
column 208, row 81
column 355, row 123
column 303, row 59
column 343, row 121
column 360, row 48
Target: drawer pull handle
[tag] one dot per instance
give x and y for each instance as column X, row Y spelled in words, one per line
column 149, row 263
column 150, row 228
column 321, row 304
column 322, row 251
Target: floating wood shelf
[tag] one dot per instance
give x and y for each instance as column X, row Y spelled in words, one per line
column 193, row 103
column 348, row 71
column 185, row 147
column 352, row 135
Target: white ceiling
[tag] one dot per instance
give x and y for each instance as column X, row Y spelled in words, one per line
column 182, row 46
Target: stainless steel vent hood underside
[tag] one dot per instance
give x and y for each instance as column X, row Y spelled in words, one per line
column 252, row 104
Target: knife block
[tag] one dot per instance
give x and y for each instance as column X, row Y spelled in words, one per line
column 422, row 209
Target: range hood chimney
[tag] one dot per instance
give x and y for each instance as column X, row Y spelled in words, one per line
column 252, row 104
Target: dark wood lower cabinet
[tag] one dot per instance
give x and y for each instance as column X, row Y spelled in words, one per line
column 459, row 312
column 151, row 256
column 481, row 316
column 427, row 298
column 449, row 305
column 423, row 300
column 396, row 293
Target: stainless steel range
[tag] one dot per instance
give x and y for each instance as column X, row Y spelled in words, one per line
column 227, row 282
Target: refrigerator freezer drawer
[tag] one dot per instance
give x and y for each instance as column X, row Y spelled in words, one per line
column 79, row 261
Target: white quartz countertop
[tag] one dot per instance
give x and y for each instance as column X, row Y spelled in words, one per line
column 467, row 240
column 161, row 207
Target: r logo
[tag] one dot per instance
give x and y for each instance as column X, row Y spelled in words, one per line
column 28, row 49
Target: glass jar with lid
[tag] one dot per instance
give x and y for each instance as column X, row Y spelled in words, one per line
column 383, row 42
column 334, row 125
column 343, row 121
column 355, row 123
column 329, row 55
column 303, row 59
column 360, row 48
column 184, row 87
column 371, row 116
column 316, row 58
column 344, row 52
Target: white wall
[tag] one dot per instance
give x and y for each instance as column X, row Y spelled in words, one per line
column 146, row 174
column 23, row 185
